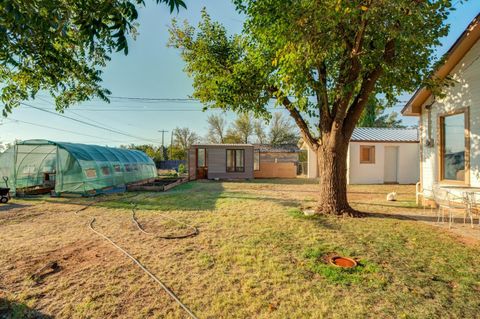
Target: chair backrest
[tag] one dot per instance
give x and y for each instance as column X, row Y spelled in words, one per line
column 440, row 196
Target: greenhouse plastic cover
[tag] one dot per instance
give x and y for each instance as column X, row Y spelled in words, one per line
column 77, row 168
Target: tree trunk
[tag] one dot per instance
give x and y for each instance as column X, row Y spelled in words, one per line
column 332, row 166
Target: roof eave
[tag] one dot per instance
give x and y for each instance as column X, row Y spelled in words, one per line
column 453, row 56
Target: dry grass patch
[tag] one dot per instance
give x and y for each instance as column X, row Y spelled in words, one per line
column 256, row 256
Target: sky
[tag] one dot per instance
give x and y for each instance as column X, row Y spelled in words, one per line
column 152, row 70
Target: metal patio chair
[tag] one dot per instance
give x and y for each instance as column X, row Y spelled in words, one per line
column 459, row 203
column 441, row 198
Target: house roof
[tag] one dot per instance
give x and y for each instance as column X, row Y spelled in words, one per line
column 385, row 135
column 220, row 144
column 453, row 56
column 283, row 148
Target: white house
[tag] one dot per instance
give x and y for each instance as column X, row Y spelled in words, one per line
column 378, row 156
column 450, row 123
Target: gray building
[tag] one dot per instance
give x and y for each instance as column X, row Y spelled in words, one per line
column 222, row 161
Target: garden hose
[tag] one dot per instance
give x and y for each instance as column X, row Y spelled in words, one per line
column 164, row 287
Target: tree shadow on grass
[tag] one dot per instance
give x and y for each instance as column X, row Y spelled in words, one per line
column 192, row 196
column 15, row 310
column 10, row 206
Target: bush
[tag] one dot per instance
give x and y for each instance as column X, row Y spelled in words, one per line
column 181, row 169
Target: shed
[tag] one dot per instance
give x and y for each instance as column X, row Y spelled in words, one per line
column 379, row 156
column 222, row 161
column 38, row 166
column 276, row 161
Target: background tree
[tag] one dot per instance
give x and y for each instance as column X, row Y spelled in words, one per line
column 241, row 129
column 374, row 116
column 217, row 126
column 340, row 52
column 155, row 153
column 259, row 130
column 183, row 138
column 60, row 46
column 282, row 130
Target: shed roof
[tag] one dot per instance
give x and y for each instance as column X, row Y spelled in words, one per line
column 224, row 145
column 283, row 148
column 386, row 135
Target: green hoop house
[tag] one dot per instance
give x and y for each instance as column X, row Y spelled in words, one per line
column 73, row 168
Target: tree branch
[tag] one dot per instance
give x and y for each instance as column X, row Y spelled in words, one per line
column 304, row 129
column 368, row 84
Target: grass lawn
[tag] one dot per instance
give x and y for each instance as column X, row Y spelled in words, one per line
column 256, row 256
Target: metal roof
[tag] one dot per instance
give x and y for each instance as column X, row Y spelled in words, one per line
column 220, row 144
column 387, row 135
column 282, row 148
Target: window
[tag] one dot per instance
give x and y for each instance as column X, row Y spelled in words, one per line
column 235, row 160
column 201, row 157
column 128, row 168
column 367, row 154
column 117, row 168
column 453, row 147
column 91, row 172
column 256, row 160
column 105, row 170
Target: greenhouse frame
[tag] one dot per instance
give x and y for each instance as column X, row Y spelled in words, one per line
column 42, row 166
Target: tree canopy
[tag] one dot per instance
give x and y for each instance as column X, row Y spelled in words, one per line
column 61, row 46
column 320, row 60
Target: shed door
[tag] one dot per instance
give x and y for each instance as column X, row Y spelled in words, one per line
column 391, row 161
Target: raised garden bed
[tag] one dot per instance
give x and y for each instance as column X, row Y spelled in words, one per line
column 157, row 185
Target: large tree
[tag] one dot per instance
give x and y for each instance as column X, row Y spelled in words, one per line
column 60, row 46
column 320, row 60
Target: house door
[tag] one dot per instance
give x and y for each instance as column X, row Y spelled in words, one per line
column 391, row 164
column 202, row 167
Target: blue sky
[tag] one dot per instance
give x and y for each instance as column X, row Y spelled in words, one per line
column 153, row 70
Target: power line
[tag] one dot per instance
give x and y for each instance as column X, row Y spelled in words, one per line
column 86, row 123
column 62, row 130
column 167, row 99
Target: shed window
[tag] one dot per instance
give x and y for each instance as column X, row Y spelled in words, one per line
column 367, row 154
column 453, row 147
column 91, row 172
column 201, row 157
column 256, row 160
column 236, row 160
column 105, row 170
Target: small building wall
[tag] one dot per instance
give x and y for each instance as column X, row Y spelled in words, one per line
column 217, row 161
column 312, row 164
column 276, row 170
column 407, row 164
column 277, row 165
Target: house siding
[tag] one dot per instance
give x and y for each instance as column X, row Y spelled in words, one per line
column 407, row 164
column 217, row 161
column 464, row 94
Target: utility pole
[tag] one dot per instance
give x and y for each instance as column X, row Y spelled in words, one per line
column 163, row 150
column 171, row 143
